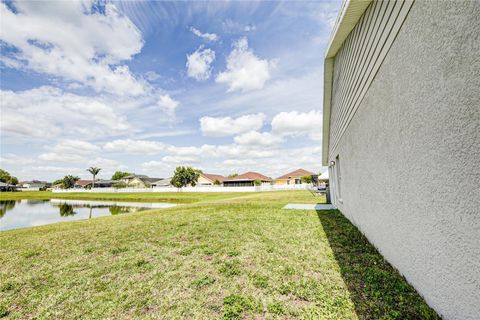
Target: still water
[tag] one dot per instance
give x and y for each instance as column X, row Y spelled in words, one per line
column 29, row 213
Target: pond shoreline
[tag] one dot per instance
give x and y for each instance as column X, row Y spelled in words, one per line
column 25, row 213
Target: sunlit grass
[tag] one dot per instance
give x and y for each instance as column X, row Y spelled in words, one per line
column 242, row 257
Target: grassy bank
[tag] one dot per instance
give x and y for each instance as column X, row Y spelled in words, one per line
column 171, row 197
column 236, row 256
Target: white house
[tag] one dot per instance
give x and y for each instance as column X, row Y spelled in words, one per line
column 401, row 137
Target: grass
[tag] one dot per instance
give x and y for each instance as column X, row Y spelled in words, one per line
column 227, row 256
column 171, row 197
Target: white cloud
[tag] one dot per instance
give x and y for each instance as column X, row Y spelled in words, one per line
column 244, row 151
column 14, row 159
column 204, row 152
column 75, row 147
column 49, row 112
column 135, row 146
column 180, row 160
column 232, row 26
column 199, row 62
column 69, row 151
column 298, row 123
column 227, row 126
column 239, row 162
column 168, row 104
column 108, row 166
column 245, row 71
column 151, row 75
column 206, row 36
column 186, row 151
column 255, row 138
column 61, row 157
column 71, row 40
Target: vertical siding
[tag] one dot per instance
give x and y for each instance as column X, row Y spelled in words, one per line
column 359, row 59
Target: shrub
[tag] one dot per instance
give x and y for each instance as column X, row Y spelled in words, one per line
column 307, row 179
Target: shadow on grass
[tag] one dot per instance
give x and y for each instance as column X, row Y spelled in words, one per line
column 377, row 290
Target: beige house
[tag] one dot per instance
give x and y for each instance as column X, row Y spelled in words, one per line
column 294, row 177
column 246, row 179
column 139, row 181
column 208, row 179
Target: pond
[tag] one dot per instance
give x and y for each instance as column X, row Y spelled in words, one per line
column 29, row 213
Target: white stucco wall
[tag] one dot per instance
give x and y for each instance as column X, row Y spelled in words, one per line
column 410, row 157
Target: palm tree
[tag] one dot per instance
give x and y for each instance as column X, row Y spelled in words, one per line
column 94, row 171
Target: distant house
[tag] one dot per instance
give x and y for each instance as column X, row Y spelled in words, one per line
column 104, row 183
column 246, row 179
column 166, row 182
column 294, row 177
column 139, row 181
column 7, row 187
column 34, row 185
column 208, row 179
column 86, row 184
column 83, row 183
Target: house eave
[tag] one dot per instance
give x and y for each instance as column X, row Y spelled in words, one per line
column 350, row 12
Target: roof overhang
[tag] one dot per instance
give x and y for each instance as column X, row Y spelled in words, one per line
column 350, row 12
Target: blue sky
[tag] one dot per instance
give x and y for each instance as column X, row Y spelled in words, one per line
column 144, row 86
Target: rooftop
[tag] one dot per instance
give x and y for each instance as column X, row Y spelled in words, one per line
column 249, row 176
column 296, row 174
column 84, row 182
column 214, row 177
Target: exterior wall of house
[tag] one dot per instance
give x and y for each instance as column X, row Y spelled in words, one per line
column 288, row 181
column 203, row 181
column 240, row 183
column 407, row 164
column 135, row 182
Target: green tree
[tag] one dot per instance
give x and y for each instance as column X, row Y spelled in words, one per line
column 216, row 183
column 258, row 182
column 7, row 178
column 58, row 181
column 184, row 176
column 94, row 171
column 233, row 175
column 69, row 181
column 120, row 174
column 307, row 179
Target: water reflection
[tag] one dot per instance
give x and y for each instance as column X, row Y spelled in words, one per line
column 26, row 213
column 6, row 205
column 66, row 210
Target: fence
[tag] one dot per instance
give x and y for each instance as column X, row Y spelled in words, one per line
column 194, row 189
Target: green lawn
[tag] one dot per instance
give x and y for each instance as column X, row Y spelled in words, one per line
column 220, row 256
